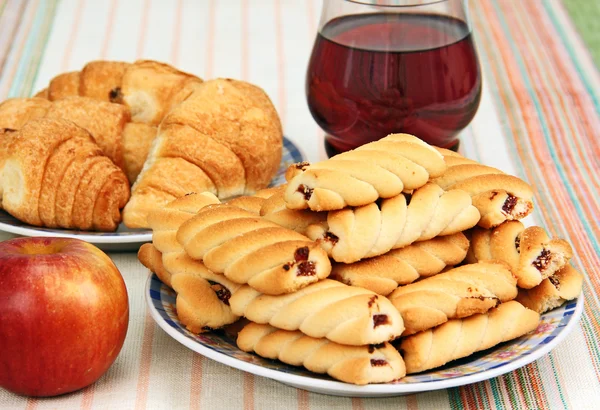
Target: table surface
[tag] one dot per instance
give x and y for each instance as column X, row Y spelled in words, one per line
column 539, row 119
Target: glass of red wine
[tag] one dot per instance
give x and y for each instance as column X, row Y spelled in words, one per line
column 386, row 66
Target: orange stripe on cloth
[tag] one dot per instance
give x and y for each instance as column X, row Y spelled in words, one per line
column 357, row 403
column 248, row 391
column 303, row 400
column 110, row 22
column 196, row 381
column 143, row 30
column 72, row 36
column 279, row 53
column 210, row 46
column 88, row 397
column 145, row 363
column 175, row 43
column 32, row 403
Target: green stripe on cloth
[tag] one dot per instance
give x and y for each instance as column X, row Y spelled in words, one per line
column 29, row 63
column 585, row 14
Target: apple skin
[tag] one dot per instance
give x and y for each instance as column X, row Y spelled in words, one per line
column 64, row 314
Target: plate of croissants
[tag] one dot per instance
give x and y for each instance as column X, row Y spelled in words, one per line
column 393, row 268
column 91, row 155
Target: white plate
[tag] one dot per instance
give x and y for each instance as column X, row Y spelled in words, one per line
column 125, row 239
column 217, row 345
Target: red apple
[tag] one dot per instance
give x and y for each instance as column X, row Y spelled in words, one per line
column 63, row 315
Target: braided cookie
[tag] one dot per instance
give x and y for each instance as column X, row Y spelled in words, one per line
column 343, row 314
column 380, row 169
column 530, row 252
column 249, row 249
column 498, row 197
column 460, row 338
column 382, row 274
column 255, row 202
column 202, row 300
column 275, row 210
column 454, row 294
column 352, row 234
column 553, row 291
column 351, row 364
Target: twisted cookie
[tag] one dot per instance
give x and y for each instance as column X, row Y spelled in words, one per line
column 384, row 273
column 252, row 250
column 351, row 364
column 255, row 202
column 457, row 293
column 202, row 301
column 352, row 234
column 380, row 169
column 462, row 337
column 498, row 197
column 343, row 314
column 530, row 252
column 553, row 291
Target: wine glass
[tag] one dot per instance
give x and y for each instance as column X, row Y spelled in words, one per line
column 387, row 66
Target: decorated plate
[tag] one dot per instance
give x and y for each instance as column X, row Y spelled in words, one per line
column 218, row 345
column 125, row 239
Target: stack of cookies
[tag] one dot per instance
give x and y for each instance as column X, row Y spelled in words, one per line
column 394, row 258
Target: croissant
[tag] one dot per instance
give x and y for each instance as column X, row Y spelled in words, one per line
column 352, row 234
column 343, row 314
column 498, row 197
column 553, row 291
column 249, row 249
column 454, row 294
column 126, row 144
column 351, row 364
column 55, row 175
column 274, row 209
column 225, row 138
column 380, row 169
column 382, row 274
column 462, row 337
column 530, row 252
column 202, row 300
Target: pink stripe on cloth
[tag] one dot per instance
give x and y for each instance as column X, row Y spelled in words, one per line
column 109, row 29
column 143, row 30
column 72, row 36
column 145, row 363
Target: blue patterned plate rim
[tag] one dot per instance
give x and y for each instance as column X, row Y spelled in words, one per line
column 290, row 154
column 554, row 327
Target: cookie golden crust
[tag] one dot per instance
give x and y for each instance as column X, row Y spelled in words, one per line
column 454, row 294
column 352, row 234
column 55, row 175
column 351, row 364
column 498, row 197
column 553, row 291
column 383, row 274
column 380, row 169
column 531, row 253
column 460, row 338
column 249, row 249
column 326, row 309
column 202, row 300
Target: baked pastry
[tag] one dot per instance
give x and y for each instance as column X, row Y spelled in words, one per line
column 498, row 196
column 249, row 249
column 553, row 291
column 351, row 364
column 460, row 338
column 380, row 169
column 202, row 300
column 532, row 255
column 274, row 209
column 382, row 274
column 55, row 175
column 343, row 314
column 255, row 202
column 352, row 234
column 225, row 138
column 126, row 144
column 454, row 294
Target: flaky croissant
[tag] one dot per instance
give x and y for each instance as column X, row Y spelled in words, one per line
column 55, row 175
column 460, row 338
column 343, row 314
column 352, row 234
column 351, row 364
column 380, row 169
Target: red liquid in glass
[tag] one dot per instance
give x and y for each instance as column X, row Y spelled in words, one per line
column 375, row 74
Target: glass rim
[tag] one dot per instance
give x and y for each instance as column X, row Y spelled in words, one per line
column 426, row 3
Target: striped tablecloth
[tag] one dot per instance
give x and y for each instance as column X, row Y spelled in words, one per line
column 539, row 119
